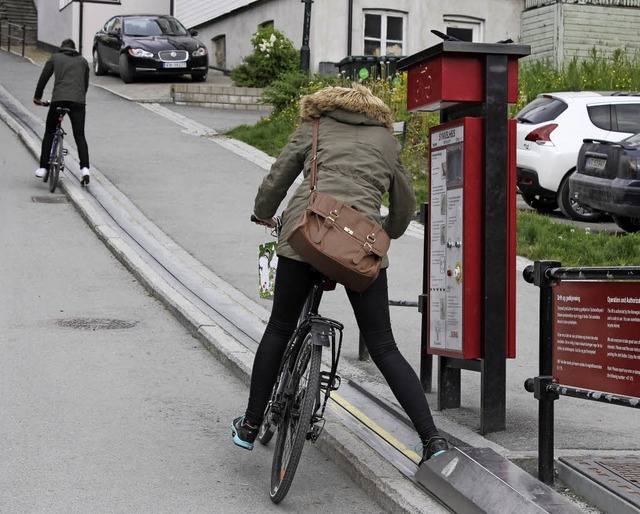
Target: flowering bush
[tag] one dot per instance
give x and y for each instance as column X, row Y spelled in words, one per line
column 273, row 54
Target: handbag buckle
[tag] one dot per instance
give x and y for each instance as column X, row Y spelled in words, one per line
column 371, row 238
column 367, row 246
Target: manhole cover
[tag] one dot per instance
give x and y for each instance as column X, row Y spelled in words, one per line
column 95, row 323
column 50, row 199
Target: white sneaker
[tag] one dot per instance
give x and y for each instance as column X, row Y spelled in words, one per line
column 41, row 172
column 85, row 176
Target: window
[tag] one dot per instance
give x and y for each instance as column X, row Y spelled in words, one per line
column 628, row 117
column 265, row 24
column 541, row 110
column 600, row 116
column 220, row 50
column 383, row 33
column 465, row 28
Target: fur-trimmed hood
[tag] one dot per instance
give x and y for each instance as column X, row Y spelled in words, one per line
column 356, row 99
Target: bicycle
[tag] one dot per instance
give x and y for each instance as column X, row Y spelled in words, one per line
column 297, row 405
column 56, row 156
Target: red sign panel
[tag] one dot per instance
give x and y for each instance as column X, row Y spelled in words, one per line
column 596, row 336
column 446, row 80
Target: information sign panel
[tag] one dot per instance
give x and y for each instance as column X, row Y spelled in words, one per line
column 455, row 228
column 596, row 336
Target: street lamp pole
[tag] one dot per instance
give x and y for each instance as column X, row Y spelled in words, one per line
column 305, row 52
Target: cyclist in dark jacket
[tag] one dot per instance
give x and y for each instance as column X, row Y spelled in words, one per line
column 71, row 72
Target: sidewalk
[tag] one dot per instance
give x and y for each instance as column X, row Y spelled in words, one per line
column 199, row 191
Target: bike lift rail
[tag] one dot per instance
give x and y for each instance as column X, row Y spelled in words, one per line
column 591, row 356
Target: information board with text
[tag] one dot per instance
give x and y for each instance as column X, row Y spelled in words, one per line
column 596, row 336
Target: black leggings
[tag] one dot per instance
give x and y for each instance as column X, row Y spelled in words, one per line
column 294, row 280
column 77, row 114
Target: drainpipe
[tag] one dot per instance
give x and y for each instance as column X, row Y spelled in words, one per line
column 349, row 27
column 171, row 7
column 80, row 23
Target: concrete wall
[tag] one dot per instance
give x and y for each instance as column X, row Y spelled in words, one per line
column 329, row 24
column 56, row 23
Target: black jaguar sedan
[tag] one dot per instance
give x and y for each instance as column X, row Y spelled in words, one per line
column 137, row 45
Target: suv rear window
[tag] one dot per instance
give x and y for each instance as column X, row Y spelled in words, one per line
column 542, row 109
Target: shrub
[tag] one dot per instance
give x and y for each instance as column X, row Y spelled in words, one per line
column 273, row 55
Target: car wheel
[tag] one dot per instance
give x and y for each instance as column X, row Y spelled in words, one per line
column 543, row 204
column 124, row 67
column 573, row 209
column 199, row 77
column 627, row 224
column 98, row 67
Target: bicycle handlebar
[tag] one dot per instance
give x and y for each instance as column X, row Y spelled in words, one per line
column 276, row 226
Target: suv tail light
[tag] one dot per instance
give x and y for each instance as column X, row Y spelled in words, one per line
column 541, row 135
column 629, row 168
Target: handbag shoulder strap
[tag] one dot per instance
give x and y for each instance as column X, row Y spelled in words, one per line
column 314, row 157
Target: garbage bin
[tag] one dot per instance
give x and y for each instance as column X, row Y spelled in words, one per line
column 356, row 67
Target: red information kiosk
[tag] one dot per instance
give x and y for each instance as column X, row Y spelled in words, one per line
column 468, row 302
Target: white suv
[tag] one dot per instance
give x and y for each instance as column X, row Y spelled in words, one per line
column 549, row 136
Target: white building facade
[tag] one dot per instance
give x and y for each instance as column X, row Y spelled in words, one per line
column 61, row 19
column 340, row 28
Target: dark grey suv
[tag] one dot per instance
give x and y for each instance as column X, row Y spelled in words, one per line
column 607, row 178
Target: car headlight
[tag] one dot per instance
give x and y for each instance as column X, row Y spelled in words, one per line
column 139, row 52
column 199, row 52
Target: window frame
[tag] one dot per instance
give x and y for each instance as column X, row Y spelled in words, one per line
column 383, row 41
column 459, row 21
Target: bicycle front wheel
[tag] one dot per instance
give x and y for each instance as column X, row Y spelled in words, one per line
column 55, row 164
column 296, row 420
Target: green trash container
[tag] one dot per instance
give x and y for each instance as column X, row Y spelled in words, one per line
column 354, row 67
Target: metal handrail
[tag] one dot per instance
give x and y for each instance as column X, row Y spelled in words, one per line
column 10, row 25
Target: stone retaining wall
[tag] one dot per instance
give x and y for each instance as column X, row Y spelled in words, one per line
column 219, row 96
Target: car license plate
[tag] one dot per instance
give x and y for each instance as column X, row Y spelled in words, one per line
column 174, row 64
column 595, row 163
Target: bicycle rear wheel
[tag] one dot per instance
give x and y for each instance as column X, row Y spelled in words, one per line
column 296, row 419
column 55, row 164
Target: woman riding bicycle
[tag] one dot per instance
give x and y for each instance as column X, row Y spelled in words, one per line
column 71, row 81
column 358, row 161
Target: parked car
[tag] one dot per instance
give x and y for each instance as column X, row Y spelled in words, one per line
column 136, row 45
column 550, row 132
column 607, row 178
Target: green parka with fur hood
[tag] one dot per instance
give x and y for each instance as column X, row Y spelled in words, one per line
column 359, row 160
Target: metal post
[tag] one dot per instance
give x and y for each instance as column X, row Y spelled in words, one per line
column 426, row 359
column 305, row 52
column 9, row 36
column 363, row 353
column 494, row 329
column 24, row 37
column 545, row 398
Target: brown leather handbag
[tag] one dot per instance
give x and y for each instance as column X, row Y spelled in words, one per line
column 335, row 238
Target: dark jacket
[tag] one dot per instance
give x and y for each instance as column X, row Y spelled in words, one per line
column 359, row 160
column 71, row 72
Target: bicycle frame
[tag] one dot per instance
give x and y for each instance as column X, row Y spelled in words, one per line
column 323, row 333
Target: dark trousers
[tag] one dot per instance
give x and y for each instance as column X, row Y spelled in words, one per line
column 371, row 308
column 77, row 116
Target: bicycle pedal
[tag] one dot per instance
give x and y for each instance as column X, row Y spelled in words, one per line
column 315, row 432
column 325, row 376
